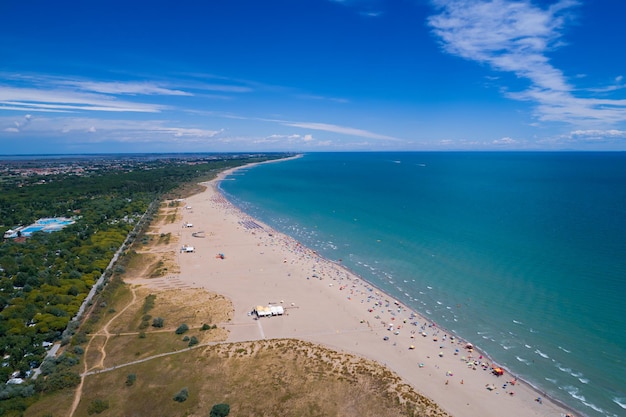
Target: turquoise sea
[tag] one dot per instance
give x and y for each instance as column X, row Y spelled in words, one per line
column 523, row 254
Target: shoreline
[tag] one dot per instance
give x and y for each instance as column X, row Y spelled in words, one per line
column 355, row 334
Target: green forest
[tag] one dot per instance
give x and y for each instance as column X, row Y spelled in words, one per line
column 45, row 278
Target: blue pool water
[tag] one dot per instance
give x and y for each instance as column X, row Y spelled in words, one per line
column 49, row 225
column 31, row 229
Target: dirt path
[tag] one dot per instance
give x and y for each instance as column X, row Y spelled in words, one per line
column 104, row 332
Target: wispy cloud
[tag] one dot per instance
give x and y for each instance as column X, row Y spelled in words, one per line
column 117, row 87
column 60, row 99
column 596, row 135
column 48, row 93
column 344, row 130
column 367, row 8
column 19, row 125
column 322, row 98
column 109, row 129
column 516, row 36
column 180, row 132
column 505, row 141
column 618, row 84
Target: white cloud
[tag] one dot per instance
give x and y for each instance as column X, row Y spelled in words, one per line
column 618, row 84
column 516, row 36
column 33, row 99
column 509, row 35
column 19, row 125
column 21, row 108
column 115, row 129
column 116, row 87
column 338, row 129
column 314, row 97
column 226, row 88
column 180, row 132
column 371, row 14
column 504, row 141
column 610, row 139
column 56, row 94
column 597, row 135
column 369, row 8
column 285, row 139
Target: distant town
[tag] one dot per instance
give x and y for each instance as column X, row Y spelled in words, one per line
column 26, row 170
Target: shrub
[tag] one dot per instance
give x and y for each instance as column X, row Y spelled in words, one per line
column 182, row 329
column 67, row 360
column 220, row 410
column 182, row 395
column 148, row 304
column 193, row 341
column 205, row 327
column 158, row 322
column 48, row 366
column 97, row 406
column 130, row 379
column 62, row 378
column 79, row 338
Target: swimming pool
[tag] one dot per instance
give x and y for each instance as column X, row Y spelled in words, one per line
column 48, row 224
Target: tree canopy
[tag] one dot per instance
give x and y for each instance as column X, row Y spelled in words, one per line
column 45, row 278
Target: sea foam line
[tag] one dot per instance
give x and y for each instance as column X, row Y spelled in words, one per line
column 620, row 401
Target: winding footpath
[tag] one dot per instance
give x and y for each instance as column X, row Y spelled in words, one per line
column 104, row 332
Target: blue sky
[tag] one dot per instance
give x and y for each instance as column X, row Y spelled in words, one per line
column 311, row 75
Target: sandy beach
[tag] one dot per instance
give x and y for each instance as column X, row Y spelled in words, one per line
column 251, row 264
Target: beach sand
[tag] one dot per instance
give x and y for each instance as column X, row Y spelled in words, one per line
column 324, row 303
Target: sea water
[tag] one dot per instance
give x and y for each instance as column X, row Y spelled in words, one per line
column 523, row 254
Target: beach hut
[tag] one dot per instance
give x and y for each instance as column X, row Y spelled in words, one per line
column 262, row 311
column 269, row 310
column 277, row 310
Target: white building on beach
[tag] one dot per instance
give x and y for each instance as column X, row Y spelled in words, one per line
column 269, row 310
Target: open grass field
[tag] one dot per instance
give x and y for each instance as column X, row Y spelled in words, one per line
column 265, row 378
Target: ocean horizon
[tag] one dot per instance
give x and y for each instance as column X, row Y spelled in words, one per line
column 520, row 253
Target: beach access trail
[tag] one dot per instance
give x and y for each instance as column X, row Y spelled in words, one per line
column 251, row 264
